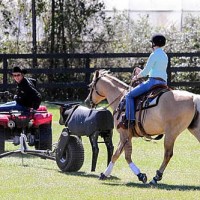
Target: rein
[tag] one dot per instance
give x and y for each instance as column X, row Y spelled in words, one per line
column 120, row 95
column 93, row 88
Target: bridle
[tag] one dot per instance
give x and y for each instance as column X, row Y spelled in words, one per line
column 92, row 89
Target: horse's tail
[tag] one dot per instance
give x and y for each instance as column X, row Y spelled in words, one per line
column 196, row 119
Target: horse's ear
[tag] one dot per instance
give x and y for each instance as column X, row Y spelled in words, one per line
column 96, row 73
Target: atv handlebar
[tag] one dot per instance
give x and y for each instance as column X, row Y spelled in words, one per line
column 5, row 93
column 14, row 112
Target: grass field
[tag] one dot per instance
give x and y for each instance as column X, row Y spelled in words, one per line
column 34, row 178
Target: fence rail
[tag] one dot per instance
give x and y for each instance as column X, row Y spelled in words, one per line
column 88, row 70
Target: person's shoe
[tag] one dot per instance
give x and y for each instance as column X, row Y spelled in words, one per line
column 131, row 123
column 122, row 123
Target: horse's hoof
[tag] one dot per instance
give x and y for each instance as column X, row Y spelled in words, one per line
column 153, row 182
column 142, row 177
column 102, row 176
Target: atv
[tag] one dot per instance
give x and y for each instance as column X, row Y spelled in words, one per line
column 34, row 124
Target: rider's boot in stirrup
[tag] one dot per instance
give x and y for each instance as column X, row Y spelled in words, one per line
column 125, row 124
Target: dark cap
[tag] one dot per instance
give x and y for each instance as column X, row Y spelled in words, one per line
column 19, row 70
column 158, row 40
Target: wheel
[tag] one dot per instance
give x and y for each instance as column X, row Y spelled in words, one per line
column 73, row 157
column 2, row 139
column 44, row 137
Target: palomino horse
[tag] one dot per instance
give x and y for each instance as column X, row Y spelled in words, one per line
column 176, row 111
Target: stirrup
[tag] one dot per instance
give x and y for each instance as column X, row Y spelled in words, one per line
column 126, row 124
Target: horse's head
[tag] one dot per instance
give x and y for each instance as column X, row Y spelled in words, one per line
column 65, row 110
column 63, row 116
column 95, row 97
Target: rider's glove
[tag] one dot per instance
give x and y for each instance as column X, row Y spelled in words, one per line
column 15, row 97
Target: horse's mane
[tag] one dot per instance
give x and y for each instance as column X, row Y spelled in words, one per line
column 107, row 74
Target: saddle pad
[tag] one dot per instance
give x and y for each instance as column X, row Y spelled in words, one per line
column 149, row 102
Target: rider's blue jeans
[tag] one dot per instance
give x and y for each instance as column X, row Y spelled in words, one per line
column 137, row 91
column 13, row 105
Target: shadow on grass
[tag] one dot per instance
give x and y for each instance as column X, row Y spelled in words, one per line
column 21, row 155
column 159, row 186
column 87, row 175
column 22, row 158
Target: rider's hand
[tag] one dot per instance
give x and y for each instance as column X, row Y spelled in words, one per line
column 134, row 78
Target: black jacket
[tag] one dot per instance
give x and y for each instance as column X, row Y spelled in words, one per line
column 27, row 94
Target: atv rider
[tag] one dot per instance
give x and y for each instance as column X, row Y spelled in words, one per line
column 27, row 96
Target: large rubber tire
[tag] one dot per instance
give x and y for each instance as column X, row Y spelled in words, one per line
column 2, row 139
column 73, row 157
column 44, row 141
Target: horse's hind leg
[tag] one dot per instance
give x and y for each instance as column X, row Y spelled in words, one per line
column 196, row 133
column 194, row 127
column 169, row 146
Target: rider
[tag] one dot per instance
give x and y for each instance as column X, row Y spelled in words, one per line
column 155, row 69
column 27, row 95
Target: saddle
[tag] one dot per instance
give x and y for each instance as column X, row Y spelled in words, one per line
column 143, row 102
column 150, row 98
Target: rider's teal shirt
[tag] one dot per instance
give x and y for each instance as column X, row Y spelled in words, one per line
column 156, row 65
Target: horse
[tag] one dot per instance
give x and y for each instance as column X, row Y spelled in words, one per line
column 176, row 111
column 83, row 121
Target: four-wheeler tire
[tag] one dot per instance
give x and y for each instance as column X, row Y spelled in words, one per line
column 2, row 139
column 44, row 140
column 73, row 156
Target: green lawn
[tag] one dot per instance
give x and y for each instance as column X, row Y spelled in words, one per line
column 34, row 178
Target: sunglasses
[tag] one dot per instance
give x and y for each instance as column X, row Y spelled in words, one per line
column 16, row 75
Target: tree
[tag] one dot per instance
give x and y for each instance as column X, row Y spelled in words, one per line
column 75, row 26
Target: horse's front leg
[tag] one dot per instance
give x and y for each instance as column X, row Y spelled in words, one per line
column 126, row 145
column 123, row 140
column 114, row 158
column 168, row 145
column 128, row 152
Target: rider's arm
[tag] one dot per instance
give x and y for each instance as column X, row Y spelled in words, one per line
column 150, row 63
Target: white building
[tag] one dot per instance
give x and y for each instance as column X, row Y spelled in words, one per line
column 160, row 12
